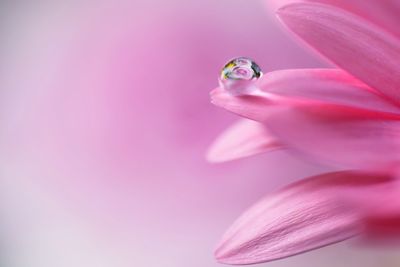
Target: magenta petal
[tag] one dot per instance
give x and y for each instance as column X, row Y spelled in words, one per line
column 346, row 137
column 382, row 221
column 303, row 87
column 328, row 86
column 326, row 114
column 244, row 138
column 355, row 45
column 382, row 230
column 306, row 215
column 383, row 13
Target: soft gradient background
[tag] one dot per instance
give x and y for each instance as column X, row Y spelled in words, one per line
column 105, row 120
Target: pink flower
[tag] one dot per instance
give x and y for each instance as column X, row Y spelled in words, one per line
column 348, row 116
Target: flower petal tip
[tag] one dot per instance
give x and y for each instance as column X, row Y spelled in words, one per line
column 213, row 157
column 227, row 255
column 243, row 139
column 230, row 252
column 286, row 9
column 221, row 256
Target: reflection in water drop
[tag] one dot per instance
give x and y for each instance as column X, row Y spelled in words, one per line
column 238, row 76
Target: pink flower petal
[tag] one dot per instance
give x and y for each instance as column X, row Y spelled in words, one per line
column 382, row 229
column 244, row 138
column 254, row 107
column 331, row 86
column 306, row 215
column 383, row 13
column 350, row 42
column 325, row 114
column 347, row 137
column 382, row 223
column 303, row 86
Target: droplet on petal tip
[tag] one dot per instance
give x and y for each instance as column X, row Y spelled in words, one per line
column 239, row 75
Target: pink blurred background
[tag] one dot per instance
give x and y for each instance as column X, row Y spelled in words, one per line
column 105, row 120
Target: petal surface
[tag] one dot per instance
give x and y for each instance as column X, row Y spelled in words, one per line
column 350, row 42
column 326, row 114
column 302, row 87
column 244, row 138
column 330, row 86
column 346, row 137
column 383, row 13
column 303, row 216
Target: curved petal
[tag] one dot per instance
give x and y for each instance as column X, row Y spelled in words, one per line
column 306, row 215
column 326, row 114
column 353, row 139
column 350, row 42
column 383, row 13
column 313, row 86
column 331, row 86
column 244, row 138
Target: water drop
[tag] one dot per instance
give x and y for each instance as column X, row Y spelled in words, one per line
column 238, row 76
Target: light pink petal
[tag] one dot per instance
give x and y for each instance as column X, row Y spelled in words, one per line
column 306, row 215
column 244, row 138
column 384, row 13
column 253, row 107
column 350, row 42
